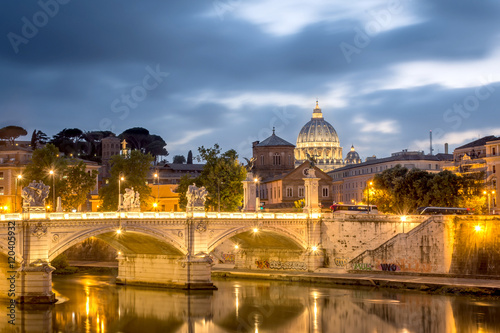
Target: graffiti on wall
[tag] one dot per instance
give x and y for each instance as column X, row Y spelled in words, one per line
column 404, row 265
column 361, row 266
column 389, row 267
column 340, row 262
column 290, row 265
column 228, row 258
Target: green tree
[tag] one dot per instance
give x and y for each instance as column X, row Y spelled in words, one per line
column 76, row 185
column 190, row 157
column 11, row 133
column 179, row 159
column 222, row 176
column 139, row 138
column 42, row 162
column 134, row 169
column 400, row 191
column 38, row 138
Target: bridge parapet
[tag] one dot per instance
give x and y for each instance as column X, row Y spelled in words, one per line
column 152, row 215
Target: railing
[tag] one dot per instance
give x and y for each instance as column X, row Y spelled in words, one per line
column 149, row 215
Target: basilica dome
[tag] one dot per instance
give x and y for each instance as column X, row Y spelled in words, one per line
column 319, row 140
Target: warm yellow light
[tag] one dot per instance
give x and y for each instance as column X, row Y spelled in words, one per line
column 156, row 175
column 155, row 205
column 122, row 179
column 236, row 247
column 48, row 207
column 403, row 218
column 492, row 192
column 119, row 253
column 19, row 176
column 5, row 207
column 371, row 183
column 51, row 172
column 255, row 230
column 484, row 192
column 255, row 180
column 314, row 248
column 478, row 228
column 119, row 231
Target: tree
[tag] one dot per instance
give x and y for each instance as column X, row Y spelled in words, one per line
column 72, row 182
column 76, row 185
column 400, row 191
column 190, row 157
column 179, row 159
column 134, row 169
column 38, row 137
column 11, row 133
column 69, row 141
column 222, row 176
column 42, row 161
column 139, row 138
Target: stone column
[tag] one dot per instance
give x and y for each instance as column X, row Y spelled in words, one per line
column 249, row 194
column 311, row 184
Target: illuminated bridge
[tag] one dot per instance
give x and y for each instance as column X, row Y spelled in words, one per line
column 153, row 248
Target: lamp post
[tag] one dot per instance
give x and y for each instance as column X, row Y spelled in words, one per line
column 489, row 193
column 156, row 176
column 18, row 178
column 369, row 186
column 53, row 174
column 120, row 179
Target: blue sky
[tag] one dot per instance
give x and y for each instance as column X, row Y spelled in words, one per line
column 228, row 71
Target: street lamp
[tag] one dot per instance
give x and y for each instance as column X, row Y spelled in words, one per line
column 369, row 186
column 156, row 176
column 53, row 174
column 257, row 194
column 489, row 193
column 18, row 178
column 120, row 179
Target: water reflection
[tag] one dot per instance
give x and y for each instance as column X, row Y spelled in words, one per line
column 94, row 304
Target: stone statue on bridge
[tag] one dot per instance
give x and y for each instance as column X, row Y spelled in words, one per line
column 34, row 196
column 131, row 201
column 196, row 197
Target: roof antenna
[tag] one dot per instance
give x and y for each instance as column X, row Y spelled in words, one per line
column 273, row 130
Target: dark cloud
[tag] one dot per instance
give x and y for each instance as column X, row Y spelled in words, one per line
column 93, row 53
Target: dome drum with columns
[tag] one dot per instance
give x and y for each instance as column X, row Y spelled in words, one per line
column 319, row 140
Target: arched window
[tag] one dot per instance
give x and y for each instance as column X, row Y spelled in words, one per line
column 277, row 159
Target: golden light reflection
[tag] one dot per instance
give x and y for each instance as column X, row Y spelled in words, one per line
column 478, row 228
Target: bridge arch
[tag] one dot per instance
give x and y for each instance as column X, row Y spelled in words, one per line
column 154, row 239
column 4, row 251
column 293, row 238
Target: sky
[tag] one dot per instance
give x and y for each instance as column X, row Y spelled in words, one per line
column 228, row 71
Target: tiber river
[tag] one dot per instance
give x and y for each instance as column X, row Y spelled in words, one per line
column 93, row 303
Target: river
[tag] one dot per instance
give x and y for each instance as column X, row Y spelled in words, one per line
column 93, row 303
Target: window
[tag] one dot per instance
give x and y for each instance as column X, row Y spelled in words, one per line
column 261, row 159
column 493, row 151
column 301, row 191
column 494, row 169
column 289, row 191
column 1, row 190
column 277, row 159
column 289, row 159
column 279, row 192
column 325, row 191
column 1, row 175
column 274, row 190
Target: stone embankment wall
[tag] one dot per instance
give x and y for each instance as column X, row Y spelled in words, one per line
column 345, row 237
column 458, row 245
column 476, row 245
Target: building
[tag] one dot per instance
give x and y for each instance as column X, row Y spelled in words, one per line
column 172, row 173
column 110, row 146
column 350, row 181
column 273, row 156
column 492, row 159
column 319, row 140
column 280, row 183
column 13, row 160
column 480, row 156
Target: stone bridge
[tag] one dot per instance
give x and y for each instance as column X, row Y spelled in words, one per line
column 153, row 248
